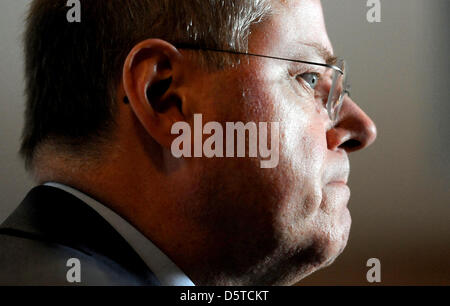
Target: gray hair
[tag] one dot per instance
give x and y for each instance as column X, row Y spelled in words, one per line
column 216, row 24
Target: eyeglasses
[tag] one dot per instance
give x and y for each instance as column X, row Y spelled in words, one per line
column 338, row 76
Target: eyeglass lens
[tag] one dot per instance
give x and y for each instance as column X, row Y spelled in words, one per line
column 337, row 92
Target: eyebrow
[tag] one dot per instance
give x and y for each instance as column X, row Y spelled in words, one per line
column 323, row 52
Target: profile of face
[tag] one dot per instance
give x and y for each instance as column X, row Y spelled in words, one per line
column 276, row 225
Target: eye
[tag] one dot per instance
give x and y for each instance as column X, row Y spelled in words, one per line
column 311, row 78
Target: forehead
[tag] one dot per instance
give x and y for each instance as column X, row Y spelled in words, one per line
column 297, row 27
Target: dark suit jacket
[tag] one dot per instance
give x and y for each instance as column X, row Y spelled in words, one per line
column 51, row 226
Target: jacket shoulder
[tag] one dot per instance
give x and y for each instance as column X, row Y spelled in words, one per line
column 27, row 261
column 49, row 228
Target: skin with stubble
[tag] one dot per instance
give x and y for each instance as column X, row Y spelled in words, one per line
column 227, row 221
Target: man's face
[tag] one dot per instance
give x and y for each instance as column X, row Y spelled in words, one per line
column 277, row 225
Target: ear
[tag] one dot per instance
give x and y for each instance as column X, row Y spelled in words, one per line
column 151, row 76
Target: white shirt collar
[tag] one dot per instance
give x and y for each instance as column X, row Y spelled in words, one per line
column 164, row 269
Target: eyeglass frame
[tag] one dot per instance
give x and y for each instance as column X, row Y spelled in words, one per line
column 332, row 114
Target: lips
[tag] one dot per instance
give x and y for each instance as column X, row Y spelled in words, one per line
column 336, row 195
column 339, row 182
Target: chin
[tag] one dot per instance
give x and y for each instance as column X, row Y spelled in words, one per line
column 336, row 248
column 328, row 245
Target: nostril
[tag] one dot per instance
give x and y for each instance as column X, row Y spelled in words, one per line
column 351, row 145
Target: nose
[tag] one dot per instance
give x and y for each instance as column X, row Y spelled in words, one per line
column 353, row 131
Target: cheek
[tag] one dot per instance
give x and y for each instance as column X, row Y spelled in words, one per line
column 302, row 140
column 303, row 150
column 296, row 181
